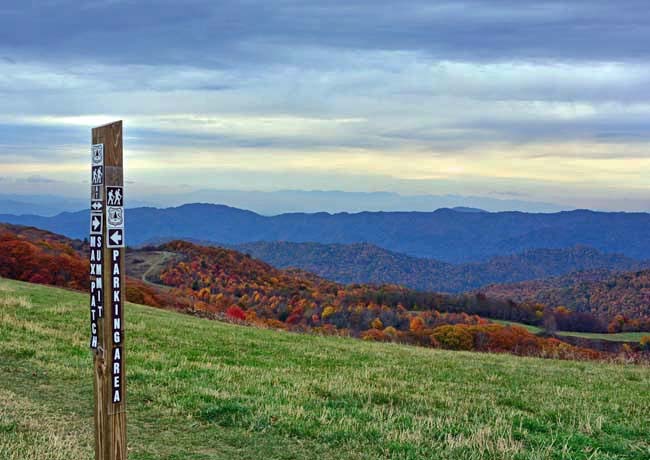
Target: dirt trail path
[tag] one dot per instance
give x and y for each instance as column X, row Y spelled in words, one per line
column 147, row 265
column 157, row 265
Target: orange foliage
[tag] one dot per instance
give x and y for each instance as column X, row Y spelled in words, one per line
column 35, row 257
column 215, row 282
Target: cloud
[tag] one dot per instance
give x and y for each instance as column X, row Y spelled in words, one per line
column 375, row 101
column 463, row 91
column 39, row 180
column 222, row 34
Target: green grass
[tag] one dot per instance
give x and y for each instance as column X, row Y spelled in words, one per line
column 620, row 337
column 528, row 327
column 200, row 389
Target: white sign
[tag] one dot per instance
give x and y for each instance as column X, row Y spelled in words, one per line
column 97, row 154
column 117, row 370
column 98, row 175
column 114, row 196
column 96, row 223
column 115, row 238
column 115, row 217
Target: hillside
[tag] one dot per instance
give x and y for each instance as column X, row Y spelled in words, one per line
column 203, row 390
column 37, row 256
column 366, row 263
column 221, row 283
column 600, row 293
column 445, row 234
column 33, row 255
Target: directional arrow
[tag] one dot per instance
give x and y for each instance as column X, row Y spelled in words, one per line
column 115, row 237
column 95, row 223
column 96, row 206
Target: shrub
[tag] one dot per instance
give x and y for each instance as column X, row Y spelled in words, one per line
column 373, row 334
column 236, row 312
column 456, row 337
column 416, row 324
column 328, row 311
column 645, row 343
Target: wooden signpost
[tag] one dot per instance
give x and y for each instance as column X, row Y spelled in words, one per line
column 107, row 284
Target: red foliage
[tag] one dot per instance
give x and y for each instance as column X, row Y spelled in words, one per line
column 236, row 313
column 35, row 256
column 216, row 282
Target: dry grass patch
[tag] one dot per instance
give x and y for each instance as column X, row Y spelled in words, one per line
column 28, row 432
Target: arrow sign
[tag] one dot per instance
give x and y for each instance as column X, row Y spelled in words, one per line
column 115, row 238
column 95, row 223
column 96, row 206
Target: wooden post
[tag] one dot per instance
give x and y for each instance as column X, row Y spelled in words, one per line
column 107, row 291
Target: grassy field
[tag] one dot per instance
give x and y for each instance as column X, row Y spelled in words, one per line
column 528, row 327
column 199, row 389
column 621, row 337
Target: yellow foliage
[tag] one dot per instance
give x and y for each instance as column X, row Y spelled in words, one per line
column 390, row 331
column 645, row 342
column 328, row 311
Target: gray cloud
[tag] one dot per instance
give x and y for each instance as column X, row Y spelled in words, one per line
column 427, row 79
column 39, row 180
column 227, row 33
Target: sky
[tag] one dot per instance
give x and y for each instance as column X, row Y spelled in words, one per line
column 537, row 101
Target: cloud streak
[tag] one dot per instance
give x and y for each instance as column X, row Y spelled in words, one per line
column 467, row 91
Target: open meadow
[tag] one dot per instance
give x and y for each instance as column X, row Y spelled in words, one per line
column 200, row 389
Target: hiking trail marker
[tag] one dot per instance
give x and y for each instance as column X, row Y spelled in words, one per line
column 107, row 286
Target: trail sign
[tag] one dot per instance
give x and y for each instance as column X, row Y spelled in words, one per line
column 115, row 238
column 98, row 154
column 115, row 196
column 107, row 291
column 115, row 216
column 96, row 219
column 98, row 175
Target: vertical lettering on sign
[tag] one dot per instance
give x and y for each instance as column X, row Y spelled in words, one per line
column 116, row 301
column 96, row 288
column 95, row 242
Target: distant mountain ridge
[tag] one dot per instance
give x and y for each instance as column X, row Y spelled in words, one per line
column 366, row 263
column 43, row 205
column 335, row 201
column 269, row 203
column 446, row 235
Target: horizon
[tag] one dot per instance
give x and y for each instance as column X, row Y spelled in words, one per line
column 459, row 209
